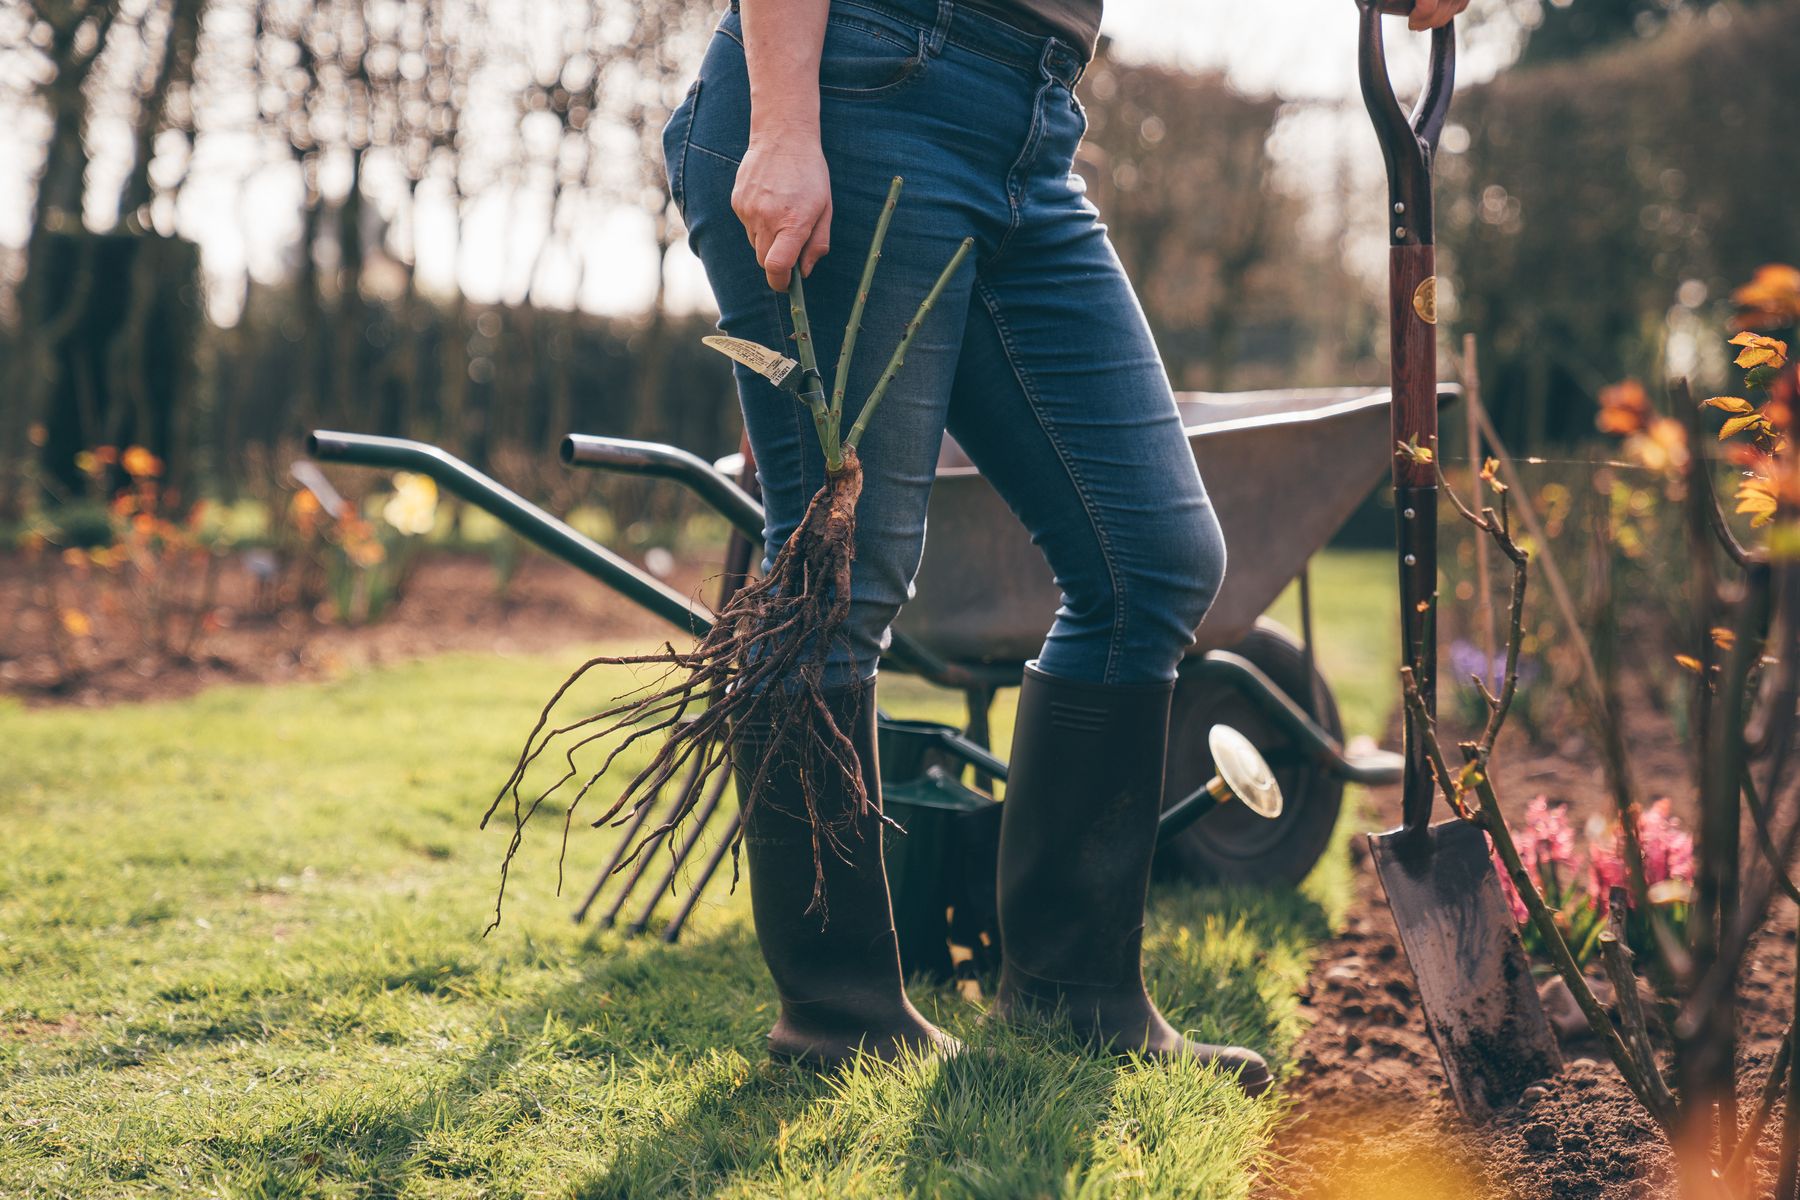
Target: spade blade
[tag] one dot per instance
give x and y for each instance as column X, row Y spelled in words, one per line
column 1475, row 986
column 778, row 369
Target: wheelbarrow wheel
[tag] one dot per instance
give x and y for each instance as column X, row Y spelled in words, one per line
column 1234, row 845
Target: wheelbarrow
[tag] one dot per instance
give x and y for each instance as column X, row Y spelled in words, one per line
column 984, row 600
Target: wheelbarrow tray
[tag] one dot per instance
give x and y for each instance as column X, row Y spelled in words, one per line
column 1284, row 470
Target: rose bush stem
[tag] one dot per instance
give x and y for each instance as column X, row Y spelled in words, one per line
column 1759, row 816
column 1706, row 1027
column 1616, row 956
column 912, row 330
column 813, row 388
column 1642, row 1076
column 1603, row 706
column 761, row 664
column 854, row 326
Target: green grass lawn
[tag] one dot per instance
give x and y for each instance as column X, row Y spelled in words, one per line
column 241, row 955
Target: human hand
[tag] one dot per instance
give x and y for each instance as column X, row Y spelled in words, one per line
column 783, row 197
column 1429, row 14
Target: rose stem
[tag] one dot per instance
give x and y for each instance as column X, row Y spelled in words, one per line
column 814, row 395
column 854, row 326
column 912, row 331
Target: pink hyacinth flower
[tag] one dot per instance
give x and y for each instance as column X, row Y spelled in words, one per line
column 1668, row 854
column 1668, row 848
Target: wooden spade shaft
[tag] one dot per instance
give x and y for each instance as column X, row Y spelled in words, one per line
column 1413, row 340
column 1475, row 986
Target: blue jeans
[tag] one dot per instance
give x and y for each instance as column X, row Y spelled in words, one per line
column 1037, row 359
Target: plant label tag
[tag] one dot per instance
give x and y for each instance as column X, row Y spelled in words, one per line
column 778, row 369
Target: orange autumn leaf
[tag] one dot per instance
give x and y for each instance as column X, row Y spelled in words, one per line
column 1760, row 351
column 1756, row 499
column 1723, row 638
column 1624, row 408
column 1730, row 404
column 1772, row 297
column 76, row 623
column 1662, row 446
column 1780, row 416
column 1749, row 457
column 1737, row 425
column 1688, row 661
column 139, row 463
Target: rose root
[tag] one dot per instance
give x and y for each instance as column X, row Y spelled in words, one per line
column 761, row 666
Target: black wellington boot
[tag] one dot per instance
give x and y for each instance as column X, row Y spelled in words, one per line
column 840, row 986
column 1077, row 831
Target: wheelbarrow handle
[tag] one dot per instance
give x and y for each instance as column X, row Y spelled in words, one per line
column 731, row 500
column 628, row 457
column 1409, row 143
column 523, row 517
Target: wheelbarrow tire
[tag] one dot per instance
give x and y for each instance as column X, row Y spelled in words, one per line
column 1233, row 845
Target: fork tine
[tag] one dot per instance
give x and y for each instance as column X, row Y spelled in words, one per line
column 650, row 847
column 698, row 822
column 612, row 864
column 679, row 921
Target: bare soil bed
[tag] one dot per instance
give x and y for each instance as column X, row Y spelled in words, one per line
column 1372, row 1115
column 451, row 603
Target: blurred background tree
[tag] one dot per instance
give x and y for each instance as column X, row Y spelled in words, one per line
column 1614, row 187
column 1566, row 30
column 1178, row 163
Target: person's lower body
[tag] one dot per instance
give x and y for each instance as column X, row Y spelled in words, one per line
column 1039, row 362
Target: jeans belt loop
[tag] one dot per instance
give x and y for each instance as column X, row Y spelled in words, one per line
column 946, row 12
column 1053, row 62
